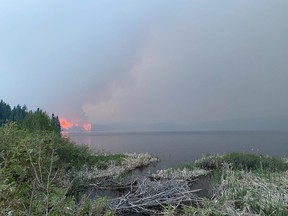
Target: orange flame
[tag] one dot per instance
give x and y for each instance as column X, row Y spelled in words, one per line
column 86, row 127
column 66, row 124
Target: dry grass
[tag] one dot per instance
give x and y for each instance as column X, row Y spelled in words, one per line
column 254, row 193
column 130, row 161
column 184, row 173
column 246, row 193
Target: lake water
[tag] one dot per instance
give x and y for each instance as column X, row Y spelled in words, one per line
column 183, row 147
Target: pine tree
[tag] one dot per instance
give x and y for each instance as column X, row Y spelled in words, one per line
column 5, row 112
column 55, row 123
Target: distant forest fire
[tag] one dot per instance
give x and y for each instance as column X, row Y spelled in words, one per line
column 74, row 125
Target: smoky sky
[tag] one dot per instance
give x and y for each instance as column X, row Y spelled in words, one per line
column 146, row 61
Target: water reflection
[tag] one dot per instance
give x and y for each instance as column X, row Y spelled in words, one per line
column 184, row 147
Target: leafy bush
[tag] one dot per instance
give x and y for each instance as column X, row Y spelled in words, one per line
column 36, row 171
column 76, row 156
column 29, row 180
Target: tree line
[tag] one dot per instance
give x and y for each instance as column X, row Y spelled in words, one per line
column 37, row 120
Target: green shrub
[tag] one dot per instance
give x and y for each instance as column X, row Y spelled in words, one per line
column 76, row 156
column 30, row 181
column 36, row 171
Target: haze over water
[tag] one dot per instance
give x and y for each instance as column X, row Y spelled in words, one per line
column 183, row 147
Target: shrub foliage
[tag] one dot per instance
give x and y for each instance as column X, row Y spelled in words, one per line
column 37, row 173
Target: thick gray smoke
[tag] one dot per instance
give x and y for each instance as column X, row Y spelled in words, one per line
column 125, row 61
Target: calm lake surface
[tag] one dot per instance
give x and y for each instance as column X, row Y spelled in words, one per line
column 183, row 147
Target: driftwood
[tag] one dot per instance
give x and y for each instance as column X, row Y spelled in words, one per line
column 151, row 197
column 109, row 184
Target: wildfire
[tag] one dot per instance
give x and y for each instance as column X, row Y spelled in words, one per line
column 86, row 127
column 65, row 124
column 68, row 124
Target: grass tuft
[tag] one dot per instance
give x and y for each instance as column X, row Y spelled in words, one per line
column 243, row 161
column 244, row 184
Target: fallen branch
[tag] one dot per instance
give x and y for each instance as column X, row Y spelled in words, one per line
column 151, row 196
